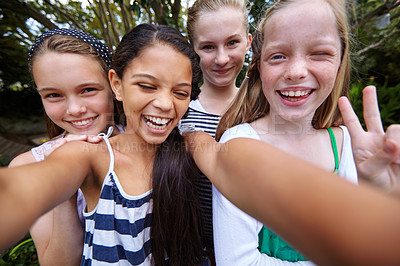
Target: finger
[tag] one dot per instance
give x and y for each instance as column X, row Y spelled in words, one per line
column 374, row 168
column 94, row 139
column 349, row 117
column 372, row 115
column 393, row 134
column 72, row 137
column 56, row 145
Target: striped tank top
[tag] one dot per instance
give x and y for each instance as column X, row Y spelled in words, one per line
column 203, row 121
column 117, row 231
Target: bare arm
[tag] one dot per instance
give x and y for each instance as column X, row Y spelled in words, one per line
column 30, row 190
column 58, row 234
column 310, row 208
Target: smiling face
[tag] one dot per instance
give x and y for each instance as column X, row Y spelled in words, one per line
column 155, row 90
column 299, row 63
column 75, row 92
column 221, row 41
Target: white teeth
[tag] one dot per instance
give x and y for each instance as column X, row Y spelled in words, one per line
column 154, row 126
column 161, row 122
column 294, row 93
column 83, row 122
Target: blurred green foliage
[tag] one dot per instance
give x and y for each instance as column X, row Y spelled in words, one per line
column 388, row 101
column 23, row 253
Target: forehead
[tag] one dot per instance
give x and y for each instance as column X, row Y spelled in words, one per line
column 163, row 61
column 220, row 23
column 302, row 20
column 52, row 64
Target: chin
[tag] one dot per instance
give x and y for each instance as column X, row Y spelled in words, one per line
column 156, row 141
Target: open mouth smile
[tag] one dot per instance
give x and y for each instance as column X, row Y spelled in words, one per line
column 157, row 123
column 83, row 122
column 295, row 95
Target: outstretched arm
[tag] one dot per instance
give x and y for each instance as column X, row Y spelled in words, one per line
column 29, row 191
column 376, row 153
column 310, row 208
column 58, row 235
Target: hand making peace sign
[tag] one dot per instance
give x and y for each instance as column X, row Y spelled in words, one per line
column 376, row 152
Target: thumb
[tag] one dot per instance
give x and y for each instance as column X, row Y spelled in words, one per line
column 393, row 136
column 372, row 168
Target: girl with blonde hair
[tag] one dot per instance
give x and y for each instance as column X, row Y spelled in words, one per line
column 299, row 69
column 218, row 31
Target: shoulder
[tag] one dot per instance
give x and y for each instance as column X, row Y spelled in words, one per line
column 338, row 133
column 22, row 159
column 77, row 150
column 347, row 166
column 240, row 131
column 196, row 105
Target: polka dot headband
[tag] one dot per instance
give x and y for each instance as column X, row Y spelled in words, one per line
column 103, row 51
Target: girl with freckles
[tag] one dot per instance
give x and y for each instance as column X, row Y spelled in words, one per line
column 300, row 68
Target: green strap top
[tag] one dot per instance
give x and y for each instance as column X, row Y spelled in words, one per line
column 274, row 246
column 334, row 147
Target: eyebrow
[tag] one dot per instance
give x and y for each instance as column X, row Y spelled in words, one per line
column 183, row 84
column 45, row 89
column 80, row 85
column 236, row 35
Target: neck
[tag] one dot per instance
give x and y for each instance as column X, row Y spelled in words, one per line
column 218, row 92
column 276, row 125
column 129, row 143
column 217, row 99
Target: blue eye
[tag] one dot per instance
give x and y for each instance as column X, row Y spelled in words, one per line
column 277, row 57
column 207, row 47
column 232, row 43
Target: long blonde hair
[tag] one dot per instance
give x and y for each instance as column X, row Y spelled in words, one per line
column 250, row 102
column 201, row 7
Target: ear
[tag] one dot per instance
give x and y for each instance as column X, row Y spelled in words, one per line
column 115, row 83
column 249, row 39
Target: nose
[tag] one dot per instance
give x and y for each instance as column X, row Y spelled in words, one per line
column 164, row 101
column 221, row 57
column 296, row 69
column 76, row 107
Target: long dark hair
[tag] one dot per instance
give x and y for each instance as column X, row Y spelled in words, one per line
column 176, row 227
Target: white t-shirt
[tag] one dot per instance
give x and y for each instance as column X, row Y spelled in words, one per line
column 236, row 233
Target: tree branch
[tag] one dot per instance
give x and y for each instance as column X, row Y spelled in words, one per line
column 124, row 14
column 113, row 29
column 378, row 43
column 102, row 24
column 27, row 10
column 382, row 9
column 176, row 9
column 65, row 15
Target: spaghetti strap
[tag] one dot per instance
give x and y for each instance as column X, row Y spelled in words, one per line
column 334, row 147
column 110, row 151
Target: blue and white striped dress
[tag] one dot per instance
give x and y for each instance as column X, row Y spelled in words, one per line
column 117, row 231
